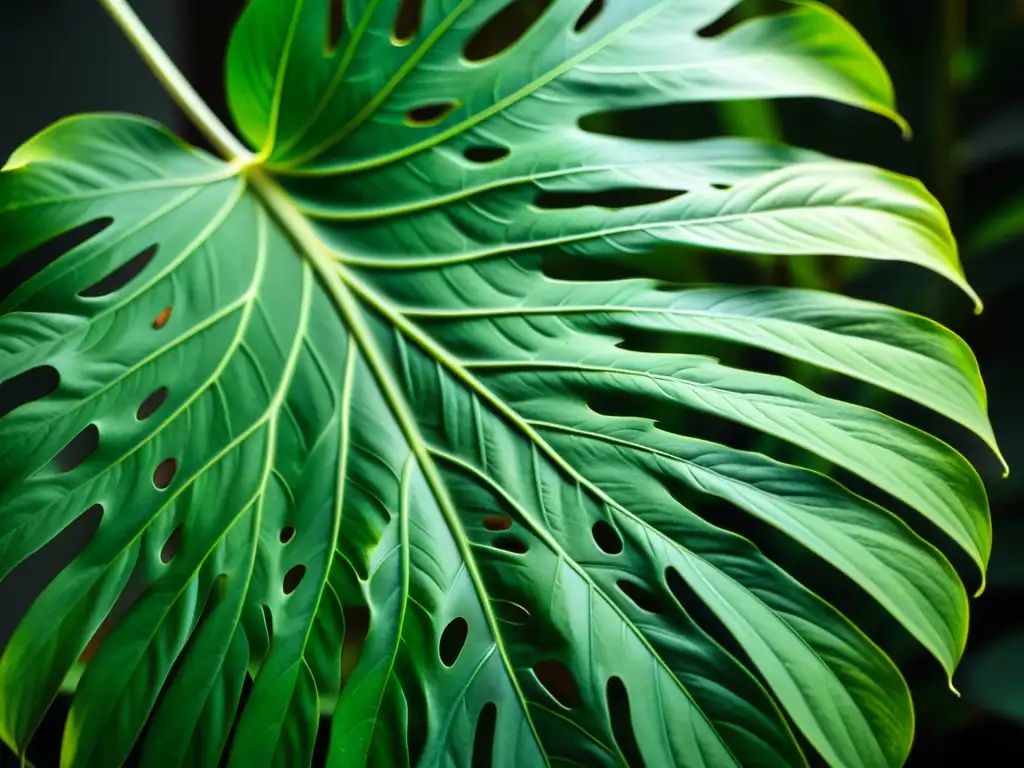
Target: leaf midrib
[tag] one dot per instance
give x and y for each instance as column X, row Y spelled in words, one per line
column 338, row 284
column 643, row 226
column 334, row 274
column 438, row 353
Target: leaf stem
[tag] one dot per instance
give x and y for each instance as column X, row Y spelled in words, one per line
column 175, row 82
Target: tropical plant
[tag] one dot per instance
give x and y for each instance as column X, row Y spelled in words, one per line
column 335, row 375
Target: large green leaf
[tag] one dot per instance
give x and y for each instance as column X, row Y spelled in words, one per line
column 334, row 377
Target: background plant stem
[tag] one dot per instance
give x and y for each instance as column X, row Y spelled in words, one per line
column 175, row 83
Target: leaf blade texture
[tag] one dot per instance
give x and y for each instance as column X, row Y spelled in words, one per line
column 338, row 381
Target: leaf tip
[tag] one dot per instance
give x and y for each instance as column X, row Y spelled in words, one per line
column 984, row 584
column 979, row 305
column 13, row 165
column 906, row 130
column 993, row 444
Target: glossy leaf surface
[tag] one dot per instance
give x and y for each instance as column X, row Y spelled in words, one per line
column 335, row 380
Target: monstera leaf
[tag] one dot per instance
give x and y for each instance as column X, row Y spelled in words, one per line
column 331, row 382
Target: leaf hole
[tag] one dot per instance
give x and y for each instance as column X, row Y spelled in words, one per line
column 172, row 545
column 34, row 261
column 606, row 537
column 483, row 739
column 81, row 447
column 667, row 122
column 121, row 276
column 164, row 473
column 417, row 727
column 151, row 404
column 137, row 584
column 293, row 578
column 740, row 12
column 484, row 155
column 511, row 543
column 357, row 627
column 497, row 523
column 430, row 114
column 609, row 199
column 643, row 599
column 27, row 387
column 408, row 20
column 335, row 23
column 680, row 590
column 453, row 640
column 287, row 534
column 512, row 613
column 589, row 16
column 23, row 585
column 724, row 187
column 558, row 681
column 693, row 606
column 622, row 722
column 268, row 619
column 692, row 423
column 162, row 318
column 504, row 29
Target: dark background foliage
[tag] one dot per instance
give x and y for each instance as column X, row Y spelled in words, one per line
column 956, row 65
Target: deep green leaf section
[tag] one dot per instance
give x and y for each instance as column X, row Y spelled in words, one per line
column 336, row 381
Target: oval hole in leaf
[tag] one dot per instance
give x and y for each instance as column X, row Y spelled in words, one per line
column 497, row 523
column 293, row 578
column 407, row 21
column 335, row 23
column 606, row 537
column 164, row 473
column 172, row 545
column 453, row 640
column 589, row 16
column 691, row 604
column 622, row 722
column 417, row 726
column 151, row 404
column 28, row 386
column 609, row 199
column 121, row 276
column 23, row 585
column 504, row 29
column 722, row 186
column 287, row 534
column 357, row 627
column 484, row 155
column 268, row 619
column 643, row 599
column 483, row 739
column 511, row 543
column 740, row 12
column 81, row 447
column 558, row 681
column 512, row 613
column 681, row 591
column 162, row 318
column 36, row 260
column 430, row 114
